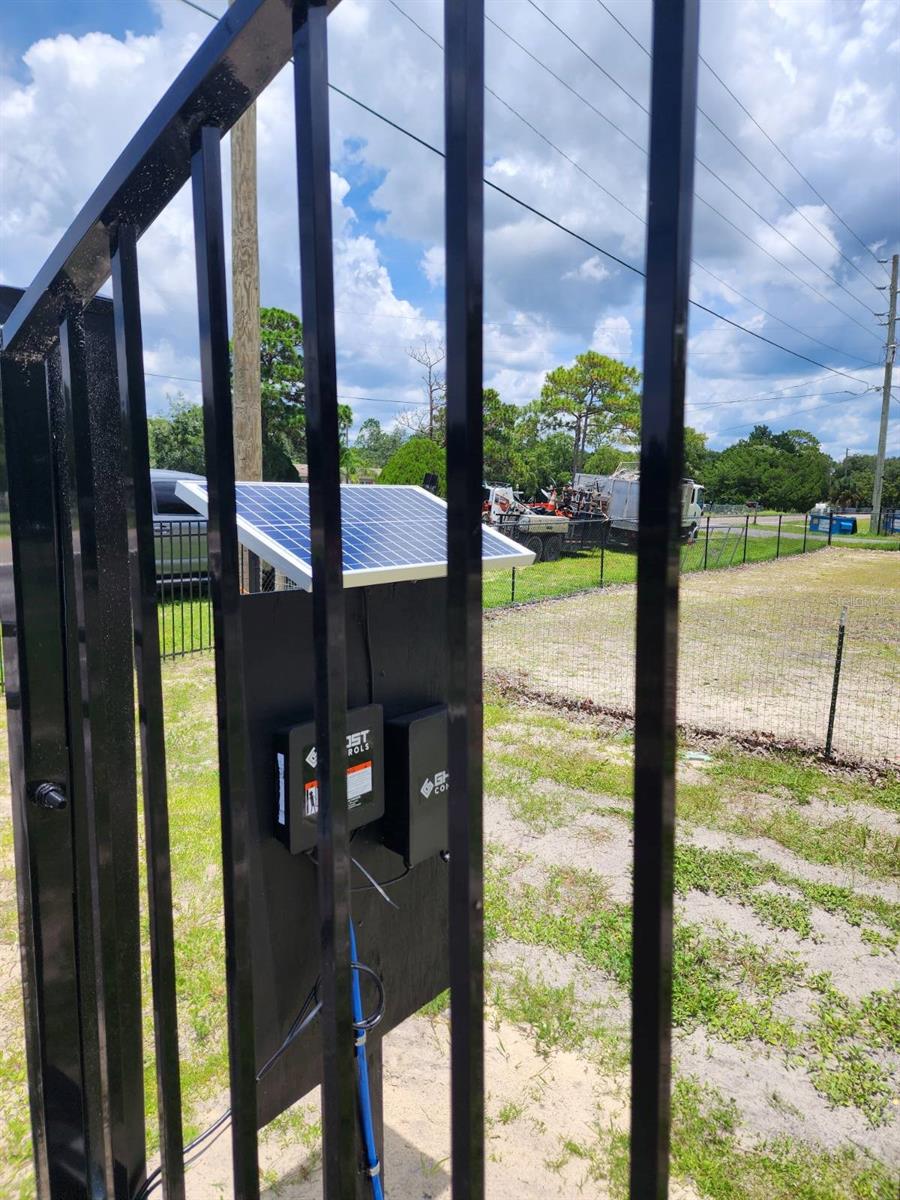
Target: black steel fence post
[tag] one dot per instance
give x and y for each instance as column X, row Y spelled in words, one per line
column 706, row 545
column 464, row 209
column 512, row 589
column 778, row 539
column 838, row 656
column 311, row 117
column 746, row 535
column 215, row 373
column 34, row 649
column 602, row 561
column 669, row 208
column 830, row 524
column 136, row 460
column 805, row 527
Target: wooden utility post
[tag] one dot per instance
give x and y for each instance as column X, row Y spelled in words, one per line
column 245, row 299
column 890, row 351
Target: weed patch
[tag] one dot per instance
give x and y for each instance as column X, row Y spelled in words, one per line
column 739, row 876
column 709, row 1153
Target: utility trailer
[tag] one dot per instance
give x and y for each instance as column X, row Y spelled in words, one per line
column 620, row 493
column 564, row 523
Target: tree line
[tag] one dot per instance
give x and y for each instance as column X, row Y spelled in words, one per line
column 586, row 418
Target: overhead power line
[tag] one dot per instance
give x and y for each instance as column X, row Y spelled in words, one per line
column 790, row 387
column 837, row 283
column 637, row 216
column 791, row 163
column 341, row 396
column 776, row 396
column 495, row 187
column 608, row 254
column 640, row 45
column 598, row 112
column 796, row 413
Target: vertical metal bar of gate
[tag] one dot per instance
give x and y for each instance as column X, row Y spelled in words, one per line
column 234, row 790
column 67, row 394
column 329, row 630
column 670, row 191
column 35, row 699
column 464, row 201
column 139, row 506
column 101, row 737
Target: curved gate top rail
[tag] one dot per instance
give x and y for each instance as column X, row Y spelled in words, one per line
column 239, row 58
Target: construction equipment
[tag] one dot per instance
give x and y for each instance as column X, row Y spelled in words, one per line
column 565, row 522
column 618, row 494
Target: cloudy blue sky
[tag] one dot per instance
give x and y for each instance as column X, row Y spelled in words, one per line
column 821, row 77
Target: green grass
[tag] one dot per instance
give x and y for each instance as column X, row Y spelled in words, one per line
column 434, row 1008
column 184, row 626
column 578, row 572
column 793, row 776
column 738, row 876
column 725, row 802
column 726, row 984
column 557, row 1019
column 709, row 1152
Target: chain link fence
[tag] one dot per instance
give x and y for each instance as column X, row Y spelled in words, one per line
column 565, row 630
column 746, row 668
column 720, row 542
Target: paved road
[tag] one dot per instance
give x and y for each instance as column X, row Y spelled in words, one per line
column 768, row 527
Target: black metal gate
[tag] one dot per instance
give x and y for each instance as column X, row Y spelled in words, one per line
column 82, row 535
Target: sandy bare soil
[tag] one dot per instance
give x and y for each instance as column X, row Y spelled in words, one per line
column 758, row 647
column 542, row 1099
column 534, row 1104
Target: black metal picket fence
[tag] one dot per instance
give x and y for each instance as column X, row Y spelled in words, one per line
column 185, row 607
column 83, row 544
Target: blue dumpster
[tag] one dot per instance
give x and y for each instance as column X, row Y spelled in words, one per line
column 818, row 523
column 843, row 525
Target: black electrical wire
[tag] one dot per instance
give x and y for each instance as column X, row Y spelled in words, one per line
column 644, row 109
column 379, row 884
column 616, row 199
column 367, row 1023
column 608, row 254
column 640, row 45
column 209, row 1135
column 301, row 1022
column 367, row 636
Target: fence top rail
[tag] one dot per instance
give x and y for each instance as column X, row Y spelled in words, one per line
column 242, row 54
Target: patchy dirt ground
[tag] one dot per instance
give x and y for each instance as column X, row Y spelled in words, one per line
column 757, row 649
column 536, row 1104
column 594, row 832
column 786, row 998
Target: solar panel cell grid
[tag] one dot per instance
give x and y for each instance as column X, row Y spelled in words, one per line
column 389, row 532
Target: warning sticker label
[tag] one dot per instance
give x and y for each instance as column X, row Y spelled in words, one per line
column 359, row 783
column 311, row 799
column 359, row 787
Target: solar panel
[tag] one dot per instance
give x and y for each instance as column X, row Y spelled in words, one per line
column 390, row 531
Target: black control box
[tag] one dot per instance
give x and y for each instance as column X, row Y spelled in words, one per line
column 415, row 820
column 297, row 784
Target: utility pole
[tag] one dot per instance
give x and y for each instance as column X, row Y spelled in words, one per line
column 245, row 299
column 890, row 351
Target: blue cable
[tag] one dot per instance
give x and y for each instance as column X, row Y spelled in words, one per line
column 362, row 1071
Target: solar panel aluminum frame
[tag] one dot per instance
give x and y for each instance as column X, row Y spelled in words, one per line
column 296, row 570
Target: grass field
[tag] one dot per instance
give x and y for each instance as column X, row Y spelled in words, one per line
column 786, row 1007
column 578, row 572
column 786, row 1003
column 187, row 625
column 757, row 655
